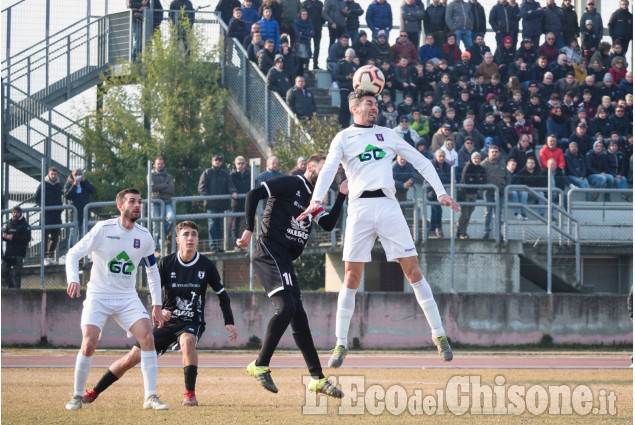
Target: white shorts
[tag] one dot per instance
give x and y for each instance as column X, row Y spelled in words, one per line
column 371, row 217
column 125, row 312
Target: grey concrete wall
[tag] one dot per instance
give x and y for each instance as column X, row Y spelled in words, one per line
column 381, row 320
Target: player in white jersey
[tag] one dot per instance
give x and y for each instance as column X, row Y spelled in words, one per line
column 366, row 151
column 117, row 246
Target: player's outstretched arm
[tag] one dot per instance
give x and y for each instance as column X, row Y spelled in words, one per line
column 313, row 207
column 327, row 221
column 447, row 201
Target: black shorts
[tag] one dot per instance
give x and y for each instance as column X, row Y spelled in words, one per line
column 274, row 267
column 168, row 336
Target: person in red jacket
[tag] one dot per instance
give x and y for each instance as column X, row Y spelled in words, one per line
column 551, row 150
column 404, row 47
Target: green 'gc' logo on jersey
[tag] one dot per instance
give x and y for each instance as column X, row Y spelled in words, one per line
column 121, row 264
column 371, row 152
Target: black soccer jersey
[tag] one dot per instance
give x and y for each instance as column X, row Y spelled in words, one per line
column 184, row 286
column 289, row 196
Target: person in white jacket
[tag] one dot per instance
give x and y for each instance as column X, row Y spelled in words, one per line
column 367, row 151
column 117, row 246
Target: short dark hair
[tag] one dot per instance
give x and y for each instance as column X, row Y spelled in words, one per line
column 316, row 158
column 356, row 95
column 121, row 196
column 184, row 224
column 53, row 169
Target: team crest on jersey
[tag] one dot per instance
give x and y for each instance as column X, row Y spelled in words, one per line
column 380, row 137
column 137, row 243
column 201, row 274
column 172, row 275
column 297, row 194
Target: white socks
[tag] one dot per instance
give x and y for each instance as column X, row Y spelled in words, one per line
column 149, row 371
column 82, row 369
column 345, row 309
column 429, row 306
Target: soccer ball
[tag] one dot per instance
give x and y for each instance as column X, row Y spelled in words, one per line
column 370, row 79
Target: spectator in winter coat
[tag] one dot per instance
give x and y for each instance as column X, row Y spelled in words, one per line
column 531, row 13
column 241, row 181
column 404, row 47
column 78, row 190
column 621, row 25
column 553, row 21
column 503, row 18
column 379, row 17
column 549, row 49
column 53, row 197
column 522, row 151
column 404, row 175
column 592, row 14
column 472, row 174
column 16, row 234
column 411, row 17
column 353, row 12
column 429, row 51
column 571, row 27
column 551, row 150
column 575, row 167
column 270, row 28
column 434, row 22
column 315, row 7
column 597, row 165
column 458, row 18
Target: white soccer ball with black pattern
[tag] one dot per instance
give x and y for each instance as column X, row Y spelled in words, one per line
column 370, row 79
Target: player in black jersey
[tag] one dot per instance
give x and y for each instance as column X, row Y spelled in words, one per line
column 184, row 278
column 282, row 239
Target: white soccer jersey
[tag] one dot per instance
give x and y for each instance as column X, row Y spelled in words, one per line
column 367, row 154
column 116, row 253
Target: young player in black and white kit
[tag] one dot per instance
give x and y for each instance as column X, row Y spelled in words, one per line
column 282, row 239
column 366, row 151
column 117, row 246
column 185, row 276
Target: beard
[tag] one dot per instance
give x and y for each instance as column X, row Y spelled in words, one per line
column 313, row 178
column 132, row 215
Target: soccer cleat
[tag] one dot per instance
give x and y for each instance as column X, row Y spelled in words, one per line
column 153, row 402
column 189, row 399
column 443, row 346
column 324, row 386
column 90, row 396
column 75, row 403
column 263, row 376
column 337, row 358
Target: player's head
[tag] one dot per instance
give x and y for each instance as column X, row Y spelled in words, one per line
column 363, row 107
column 313, row 167
column 129, row 204
column 187, row 235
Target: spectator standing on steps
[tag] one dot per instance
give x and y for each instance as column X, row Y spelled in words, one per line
column 301, row 100
column 621, row 26
column 162, row 186
column 77, row 191
column 271, row 172
column 241, row 180
column 216, row 181
column 53, row 194
column 334, row 13
column 315, row 7
column 16, row 234
column 474, row 174
column 498, row 175
column 379, row 17
column 344, row 74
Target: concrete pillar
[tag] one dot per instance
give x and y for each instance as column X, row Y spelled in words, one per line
column 334, row 273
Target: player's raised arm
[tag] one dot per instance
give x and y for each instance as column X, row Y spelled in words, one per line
column 251, row 205
column 328, row 220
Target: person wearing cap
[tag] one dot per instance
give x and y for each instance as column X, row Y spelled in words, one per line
column 404, row 47
column 364, row 49
column 277, row 78
column 337, row 52
column 438, row 140
column 458, row 18
column 553, row 21
column 406, row 132
column 503, row 18
column 16, row 234
column 77, row 191
column 597, row 165
column 53, row 197
column 382, row 49
column 216, row 181
column 575, row 167
column 590, row 39
column 592, row 14
column 269, row 27
column 621, row 25
column 379, row 17
column 505, row 54
column 344, row 75
column 532, row 13
column 528, row 52
column 582, row 138
column 411, row 17
column 334, row 13
column 434, row 22
column 472, row 174
column 571, row 28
